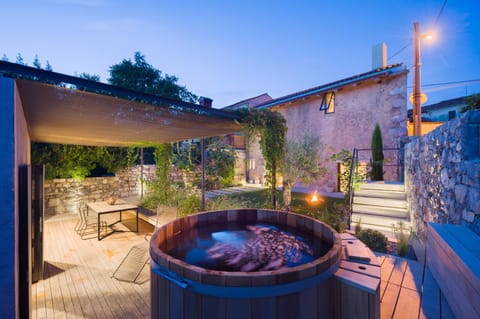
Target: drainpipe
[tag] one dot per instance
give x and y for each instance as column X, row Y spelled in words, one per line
column 202, row 148
column 141, row 173
column 207, row 103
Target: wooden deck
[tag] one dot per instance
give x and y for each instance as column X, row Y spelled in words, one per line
column 77, row 279
column 408, row 290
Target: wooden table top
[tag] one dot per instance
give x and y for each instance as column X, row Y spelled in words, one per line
column 104, row 207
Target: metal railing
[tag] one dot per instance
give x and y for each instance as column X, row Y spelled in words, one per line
column 392, row 164
column 356, row 177
column 350, row 187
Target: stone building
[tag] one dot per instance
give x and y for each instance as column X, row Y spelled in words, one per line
column 434, row 115
column 343, row 115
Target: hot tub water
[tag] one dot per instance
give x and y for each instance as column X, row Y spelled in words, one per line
column 258, row 247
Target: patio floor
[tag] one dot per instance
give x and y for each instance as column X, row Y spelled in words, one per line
column 78, row 281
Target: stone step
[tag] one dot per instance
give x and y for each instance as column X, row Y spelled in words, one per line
column 389, row 186
column 380, row 223
column 380, row 211
column 383, row 202
column 380, row 194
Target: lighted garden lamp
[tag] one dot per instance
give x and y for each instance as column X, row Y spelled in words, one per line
column 315, row 199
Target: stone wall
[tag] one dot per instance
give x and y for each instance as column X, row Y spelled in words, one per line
column 240, row 170
column 65, row 195
column 255, row 163
column 442, row 174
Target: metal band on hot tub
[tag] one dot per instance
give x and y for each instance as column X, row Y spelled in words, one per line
column 244, row 292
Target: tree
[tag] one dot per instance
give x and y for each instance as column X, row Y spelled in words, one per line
column 87, row 76
column 220, row 168
column 4, row 57
column 301, row 164
column 36, row 62
column 376, row 173
column 48, row 67
column 91, row 77
column 473, row 103
column 140, row 76
column 19, row 59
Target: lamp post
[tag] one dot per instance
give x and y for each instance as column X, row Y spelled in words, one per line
column 417, row 110
column 417, row 97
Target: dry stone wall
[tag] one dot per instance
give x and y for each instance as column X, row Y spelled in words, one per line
column 442, row 174
column 65, row 195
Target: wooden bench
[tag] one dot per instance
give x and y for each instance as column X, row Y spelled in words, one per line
column 453, row 256
column 357, row 281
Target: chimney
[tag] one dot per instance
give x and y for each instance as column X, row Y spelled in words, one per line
column 205, row 102
column 379, row 56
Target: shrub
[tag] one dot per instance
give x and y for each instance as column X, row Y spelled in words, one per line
column 376, row 173
column 225, row 202
column 374, row 240
column 190, row 204
column 358, row 226
column 403, row 239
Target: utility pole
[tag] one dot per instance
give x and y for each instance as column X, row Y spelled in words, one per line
column 417, row 109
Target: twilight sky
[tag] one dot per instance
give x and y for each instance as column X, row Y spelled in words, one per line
column 233, row 50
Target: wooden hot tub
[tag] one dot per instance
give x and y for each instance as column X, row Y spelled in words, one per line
column 182, row 290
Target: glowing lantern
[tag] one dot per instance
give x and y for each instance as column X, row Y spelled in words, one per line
column 315, row 198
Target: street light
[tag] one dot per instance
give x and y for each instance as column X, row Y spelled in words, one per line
column 417, row 92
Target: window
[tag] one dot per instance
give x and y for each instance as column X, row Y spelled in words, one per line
column 451, row 114
column 328, row 103
column 251, row 164
column 236, row 141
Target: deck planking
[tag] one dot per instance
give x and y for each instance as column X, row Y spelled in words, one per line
column 77, row 277
column 408, row 290
column 78, row 283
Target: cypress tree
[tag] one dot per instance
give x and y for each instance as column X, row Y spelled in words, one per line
column 376, row 173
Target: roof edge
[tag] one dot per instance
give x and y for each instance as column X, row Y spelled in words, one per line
column 18, row 71
column 245, row 100
column 388, row 70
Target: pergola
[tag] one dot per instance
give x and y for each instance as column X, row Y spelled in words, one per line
column 69, row 110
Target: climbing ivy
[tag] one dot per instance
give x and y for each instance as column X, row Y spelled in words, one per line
column 220, row 163
column 163, row 181
column 271, row 127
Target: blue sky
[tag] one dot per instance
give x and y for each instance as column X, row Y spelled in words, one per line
column 233, row 50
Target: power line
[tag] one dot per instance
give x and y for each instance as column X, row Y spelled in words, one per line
column 409, row 43
column 399, row 51
column 440, row 13
column 449, row 83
